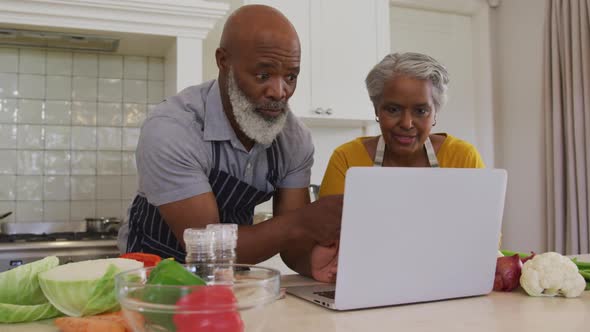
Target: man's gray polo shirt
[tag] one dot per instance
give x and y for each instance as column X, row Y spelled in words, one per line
column 174, row 153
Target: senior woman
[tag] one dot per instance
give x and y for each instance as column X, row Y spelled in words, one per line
column 408, row 90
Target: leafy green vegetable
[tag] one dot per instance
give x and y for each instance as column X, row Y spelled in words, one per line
column 581, row 265
column 584, row 269
column 14, row 313
column 21, row 297
column 512, row 253
column 103, row 296
column 21, row 286
column 586, row 275
column 85, row 288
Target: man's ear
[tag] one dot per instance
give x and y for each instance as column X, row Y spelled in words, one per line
column 221, row 57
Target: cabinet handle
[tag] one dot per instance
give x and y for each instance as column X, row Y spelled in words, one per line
column 324, row 111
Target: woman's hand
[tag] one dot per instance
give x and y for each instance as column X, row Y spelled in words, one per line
column 324, row 262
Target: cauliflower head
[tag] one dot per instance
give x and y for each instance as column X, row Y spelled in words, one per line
column 551, row 274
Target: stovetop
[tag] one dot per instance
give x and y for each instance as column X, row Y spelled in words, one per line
column 55, row 237
column 19, row 249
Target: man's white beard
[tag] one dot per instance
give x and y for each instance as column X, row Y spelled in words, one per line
column 257, row 127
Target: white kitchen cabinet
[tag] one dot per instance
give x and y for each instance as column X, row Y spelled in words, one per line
column 340, row 42
column 298, row 14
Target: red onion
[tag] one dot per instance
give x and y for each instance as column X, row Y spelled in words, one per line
column 508, row 269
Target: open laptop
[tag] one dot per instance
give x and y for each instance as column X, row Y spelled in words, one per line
column 414, row 235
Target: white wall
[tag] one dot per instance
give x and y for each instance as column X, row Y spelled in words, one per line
column 518, row 30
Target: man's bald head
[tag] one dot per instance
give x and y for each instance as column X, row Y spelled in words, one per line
column 252, row 24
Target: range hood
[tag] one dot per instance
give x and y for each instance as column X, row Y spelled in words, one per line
column 49, row 39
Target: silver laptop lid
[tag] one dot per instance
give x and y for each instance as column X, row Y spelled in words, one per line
column 418, row 234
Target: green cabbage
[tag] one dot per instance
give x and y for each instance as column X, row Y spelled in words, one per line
column 14, row 313
column 85, row 288
column 21, row 286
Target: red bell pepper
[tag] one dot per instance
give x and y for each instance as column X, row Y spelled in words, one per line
column 208, row 309
column 148, row 260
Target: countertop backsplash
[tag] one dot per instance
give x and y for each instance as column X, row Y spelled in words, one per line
column 69, row 125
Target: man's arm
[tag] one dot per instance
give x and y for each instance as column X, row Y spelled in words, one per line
column 312, row 251
column 192, row 212
column 297, row 252
column 256, row 243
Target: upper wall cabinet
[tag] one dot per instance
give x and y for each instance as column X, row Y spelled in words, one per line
column 340, row 42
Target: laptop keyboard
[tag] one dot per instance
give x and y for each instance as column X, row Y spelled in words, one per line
column 327, row 294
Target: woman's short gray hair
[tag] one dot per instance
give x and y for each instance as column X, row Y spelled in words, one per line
column 416, row 65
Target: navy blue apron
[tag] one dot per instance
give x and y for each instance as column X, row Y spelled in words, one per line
column 236, row 199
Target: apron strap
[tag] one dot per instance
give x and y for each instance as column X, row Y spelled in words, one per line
column 430, row 153
column 380, row 152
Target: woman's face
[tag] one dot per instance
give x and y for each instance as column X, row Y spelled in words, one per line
column 406, row 114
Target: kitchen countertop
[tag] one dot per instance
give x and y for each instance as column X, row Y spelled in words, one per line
column 515, row 311
column 497, row 311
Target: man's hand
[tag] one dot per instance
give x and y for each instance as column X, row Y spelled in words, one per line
column 313, row 226
column 320, row 220
column 324, row 262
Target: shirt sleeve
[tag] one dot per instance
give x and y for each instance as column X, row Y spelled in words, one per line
column 171, row 161
column 333, row 181
column 469, row 157
column 298, row 174
column 461, row 154
column 474, row 159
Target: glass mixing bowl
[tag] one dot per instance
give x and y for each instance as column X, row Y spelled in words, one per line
column 234, row 299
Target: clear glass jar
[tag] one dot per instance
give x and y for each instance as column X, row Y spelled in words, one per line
column 200, row 249
column 225, row 243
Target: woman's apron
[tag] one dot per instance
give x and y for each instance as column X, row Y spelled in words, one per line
column 430, row 153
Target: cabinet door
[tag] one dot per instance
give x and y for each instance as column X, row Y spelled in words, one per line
column 344, row 46
column 298, row 12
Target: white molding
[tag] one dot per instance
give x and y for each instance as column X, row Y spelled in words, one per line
column 462, row 7
column 184, row 18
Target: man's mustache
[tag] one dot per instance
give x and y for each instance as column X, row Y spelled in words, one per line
column 273, row 105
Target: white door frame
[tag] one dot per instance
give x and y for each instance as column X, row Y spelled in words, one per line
column 479, row 12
